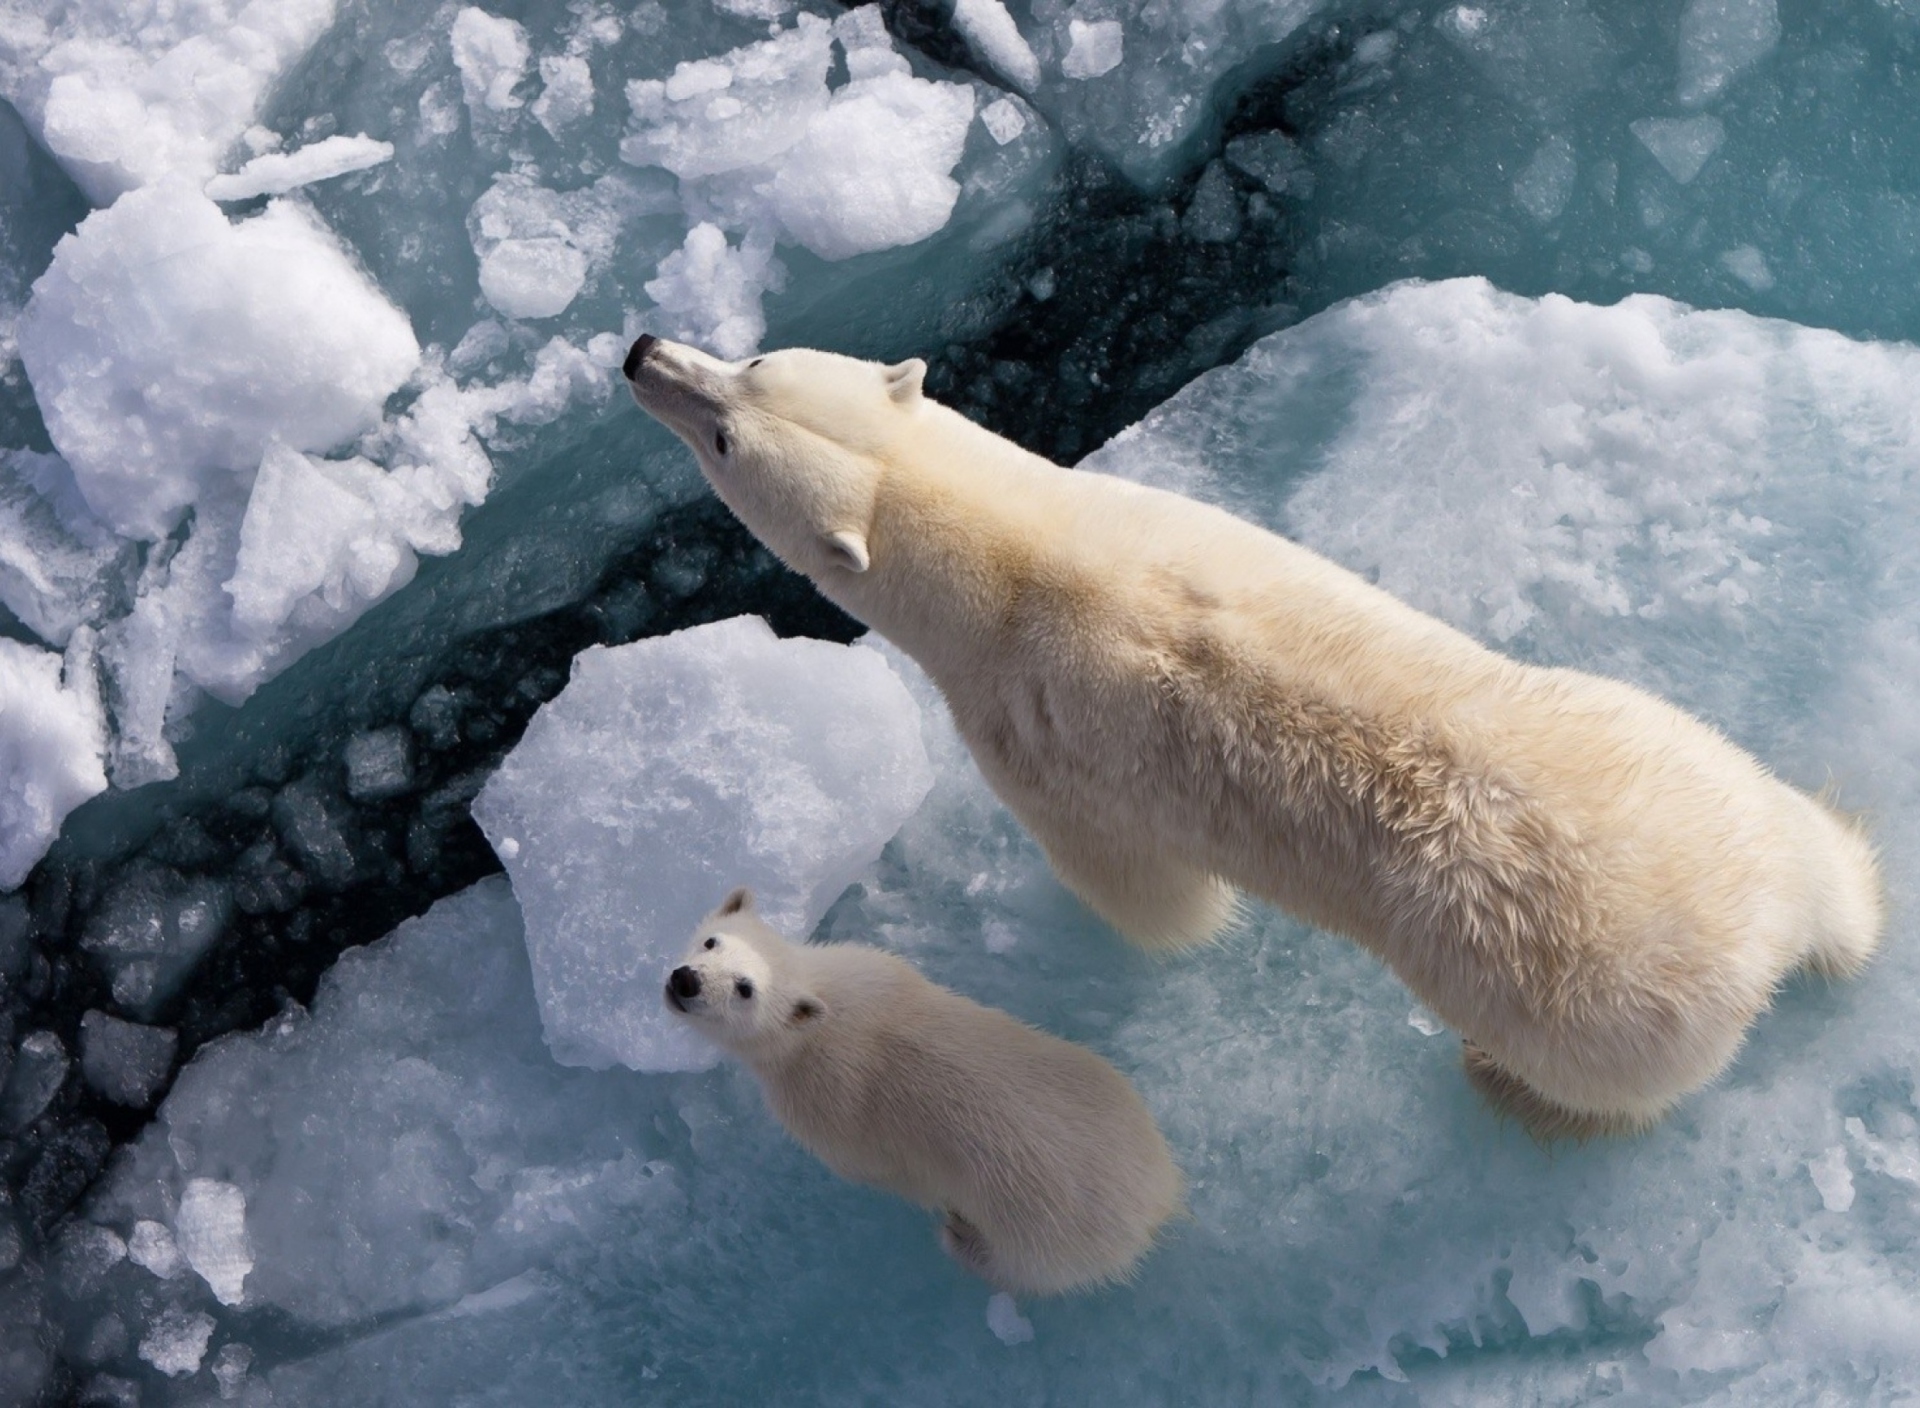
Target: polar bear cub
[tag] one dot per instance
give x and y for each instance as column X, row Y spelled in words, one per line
column 1045, row 1164
column 1597, row 891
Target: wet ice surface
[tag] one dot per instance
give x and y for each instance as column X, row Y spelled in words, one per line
column 331, row 598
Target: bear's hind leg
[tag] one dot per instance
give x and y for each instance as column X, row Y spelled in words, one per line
column 1545, row 1119
column 1157, row 903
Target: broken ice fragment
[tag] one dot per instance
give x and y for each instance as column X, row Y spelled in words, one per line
column 276, row 173
column 177, row 1341
column 1680, row 144
column 210, row 1229
column 1094, row 48
column 124, row 1061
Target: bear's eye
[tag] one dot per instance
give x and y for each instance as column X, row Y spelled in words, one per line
column 743, row 987
column 720, row 442
column 711, row 943
column 755, row 362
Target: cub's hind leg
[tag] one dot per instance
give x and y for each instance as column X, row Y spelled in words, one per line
column 1542, row 1117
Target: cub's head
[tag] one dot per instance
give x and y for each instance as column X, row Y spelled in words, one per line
column 794, row 442
column 739, row 984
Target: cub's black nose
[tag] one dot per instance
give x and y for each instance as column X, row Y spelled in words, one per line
column 683, row 983
column 637, row 354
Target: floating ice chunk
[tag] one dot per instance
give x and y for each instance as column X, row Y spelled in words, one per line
column 1274, row 160
column 52, row 755
column 1094, row 48
column 1748, row 265
column 1544, row 187
column 1213, row 216
column 40, row 1067
column 276, row 173
column 1003, row 120
column 709, row 292
column 58, row 563
column 566, row 93
column 537, row 246
column 121, row 101
column 669, row 771
column 379, row 764
column 1833, row 1178
column 167, row 347
column 1680, row 144
column 1424, row 1022
column 875, row 169
column 177, row 1341
column 1009, row 1326
column 1719, row 40
column 149, row 931
column 736, row 111
column 152, row 1246
column 994, row 38
column 124, row 1061
column 491, row 54
column 211, row 1231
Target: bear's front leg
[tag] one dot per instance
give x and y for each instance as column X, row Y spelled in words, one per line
column 1156, row 901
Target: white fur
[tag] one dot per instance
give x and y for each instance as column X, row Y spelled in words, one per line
column 1598, row 891
column 1045, row 1164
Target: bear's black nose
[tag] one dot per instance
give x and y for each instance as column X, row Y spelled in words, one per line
column 682, row 984
column 637, row 354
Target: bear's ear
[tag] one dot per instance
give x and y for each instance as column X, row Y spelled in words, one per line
column 904, row 380
column 806, row 1009
column 740, row 899
column 847, row 548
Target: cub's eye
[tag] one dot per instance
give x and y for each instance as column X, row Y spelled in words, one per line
column 711, row 943
column 720, row 442
column 743, row 987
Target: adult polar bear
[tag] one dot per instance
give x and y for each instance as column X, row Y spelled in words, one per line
column 1597, row 891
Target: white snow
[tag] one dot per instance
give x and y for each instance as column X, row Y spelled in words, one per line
column 52, row 754
column 168, row 347
column 210, row 1229
column 276, row 173
column 123, row 97
column 668, row 772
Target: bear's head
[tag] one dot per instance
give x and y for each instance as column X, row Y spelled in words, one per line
column 739, row 986
column 794, row 442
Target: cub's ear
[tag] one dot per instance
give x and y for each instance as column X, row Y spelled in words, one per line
column 847, row 548
column 806, row 1009
column 904, row 380
column 740, row 899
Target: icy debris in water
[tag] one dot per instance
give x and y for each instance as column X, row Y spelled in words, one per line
column 230, row 1367
column 152, row 1246
column 491, row 54
column 1544, row 187
column 1094, row 49
column 1719, row 40
column 1003, row 120
column 124, row 1061
column 1833, row 1178
column 993, row 36
column 1748, row 265
column 52, row 755
column 1424, row 1022
column 177, row 1341
column 709, row 292
column 667, row 772
column 169, row 348
column 39, row 1070
column 379, row 764
column 1274, row 160
column 566, row 93
column 276, row 173
column 149, row 931
column 1009, row 1326
column 211, row 1231
column 1680, row 144
column 1213, row 216
column 58, row 562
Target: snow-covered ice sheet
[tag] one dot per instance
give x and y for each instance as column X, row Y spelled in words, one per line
column 668, row 772
column 1627, row 489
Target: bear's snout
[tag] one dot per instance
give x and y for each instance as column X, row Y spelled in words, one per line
column 637, row 354
column 682, row 983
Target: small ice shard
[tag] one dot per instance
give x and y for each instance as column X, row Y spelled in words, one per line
column 124, row 1061
column 210, row 1229
column 996, row 40
column 1009, row 1326
column 52, row 755
column 669, row 771
column 1424, row 1022
column 152, row 1246
column 276, row 173
column 177, row 1341
column 1003, row 120
column 230, row 1367
column 379, row 764
column 1719, row 40
column 168, row 347
column 1093, row 49
column 1748, row 265
column 566, row 93
column 58, row 563
column 491, row 54
column 1680, row 144
column 1833, row 1178
column 39, row 1070
column 1543, row 188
